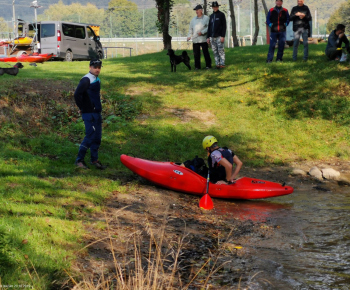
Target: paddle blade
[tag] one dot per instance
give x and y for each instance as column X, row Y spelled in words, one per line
column 206, row 202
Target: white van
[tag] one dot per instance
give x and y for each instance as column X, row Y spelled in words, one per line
column 68, row 41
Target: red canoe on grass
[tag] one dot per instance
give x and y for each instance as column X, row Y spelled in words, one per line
column 179, row 178
column 38, row 58
column 34, row 58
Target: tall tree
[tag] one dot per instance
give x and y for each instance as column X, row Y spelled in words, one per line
column 164, row 8
column 256, row 18
column 232, row 4
column 265, row 7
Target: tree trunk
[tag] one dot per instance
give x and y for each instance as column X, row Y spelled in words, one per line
column 165, row 30
column 164, row 7
column 265, row 7
column 205, row 7
column 233, row 21
column 256, row 17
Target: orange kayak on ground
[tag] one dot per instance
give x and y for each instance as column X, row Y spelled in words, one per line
column 179, row 178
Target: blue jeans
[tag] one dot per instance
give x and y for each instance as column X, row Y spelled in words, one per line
column 93, row 136
column 281, row 37
column 305, row 34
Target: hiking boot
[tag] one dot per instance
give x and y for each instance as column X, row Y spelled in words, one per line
column 98, row 165
column 217, row 67
column 222, row 66
column 208, row 67
column 81, row 164
column 268, row 61
column 279, row 60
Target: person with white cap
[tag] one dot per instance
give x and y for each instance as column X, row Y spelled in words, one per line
column 198, row 31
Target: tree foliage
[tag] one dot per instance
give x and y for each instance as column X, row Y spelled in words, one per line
column 4, row 25
column 123, row 19
column 340, row 16
column 75, row 12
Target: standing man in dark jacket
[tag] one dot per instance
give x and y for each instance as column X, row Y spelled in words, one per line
column 277, row 19
column 88, row 99
column 335, row 40
column 301, row 17
column 216, row 34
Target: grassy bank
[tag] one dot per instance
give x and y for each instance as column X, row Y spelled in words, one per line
column 269, row 114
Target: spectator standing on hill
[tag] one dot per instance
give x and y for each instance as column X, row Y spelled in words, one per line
column 335, row 41
column 216, row 34
column 301, row 17
column 277, row 19
column 88, row 99
column 197, row 31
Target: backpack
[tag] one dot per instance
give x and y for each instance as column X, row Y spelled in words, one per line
column 197, row 165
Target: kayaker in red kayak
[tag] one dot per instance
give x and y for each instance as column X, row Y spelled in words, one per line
column 220, row 162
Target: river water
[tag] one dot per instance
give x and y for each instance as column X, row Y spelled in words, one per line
column 309, row 247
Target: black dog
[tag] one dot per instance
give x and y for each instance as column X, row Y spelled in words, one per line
column 13, row 71
column 177, row 59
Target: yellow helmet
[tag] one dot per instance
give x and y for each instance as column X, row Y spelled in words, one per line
column 208, row 141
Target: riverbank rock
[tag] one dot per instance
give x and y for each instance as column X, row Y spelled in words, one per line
column 316, row 173
column 330, row 173
column 343, row 181
column 298, row 171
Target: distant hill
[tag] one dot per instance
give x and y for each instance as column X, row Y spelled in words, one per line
column 324, row 7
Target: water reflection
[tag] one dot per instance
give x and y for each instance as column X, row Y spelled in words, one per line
column 259, row 210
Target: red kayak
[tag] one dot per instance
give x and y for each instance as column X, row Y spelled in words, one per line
column 8, row 59
column 179, row 178
column 34, row 58
column 38, row 58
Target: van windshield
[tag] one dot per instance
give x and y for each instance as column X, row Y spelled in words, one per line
column 47, row 30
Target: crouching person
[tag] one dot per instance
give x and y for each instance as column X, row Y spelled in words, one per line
column 88, row 99
column 335, row 41
column 220, row 162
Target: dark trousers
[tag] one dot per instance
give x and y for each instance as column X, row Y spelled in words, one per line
column 281, row 37
column 197, row 54
column 93, row 136
column 332, row 53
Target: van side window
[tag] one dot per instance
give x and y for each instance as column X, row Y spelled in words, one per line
column 68, row 30
column 48, row 30
column 91, row 34
column 80, row 32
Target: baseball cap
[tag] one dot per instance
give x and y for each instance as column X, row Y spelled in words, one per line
column 95, row 62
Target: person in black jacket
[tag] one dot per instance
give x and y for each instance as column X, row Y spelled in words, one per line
column 216, row 35
column 277, row 19
column 88, row 99
column 301, row 17
column 336, row 39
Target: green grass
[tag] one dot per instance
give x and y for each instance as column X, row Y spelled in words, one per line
column 268, row 114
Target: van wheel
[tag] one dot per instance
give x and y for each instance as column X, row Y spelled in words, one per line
column 69, row 55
